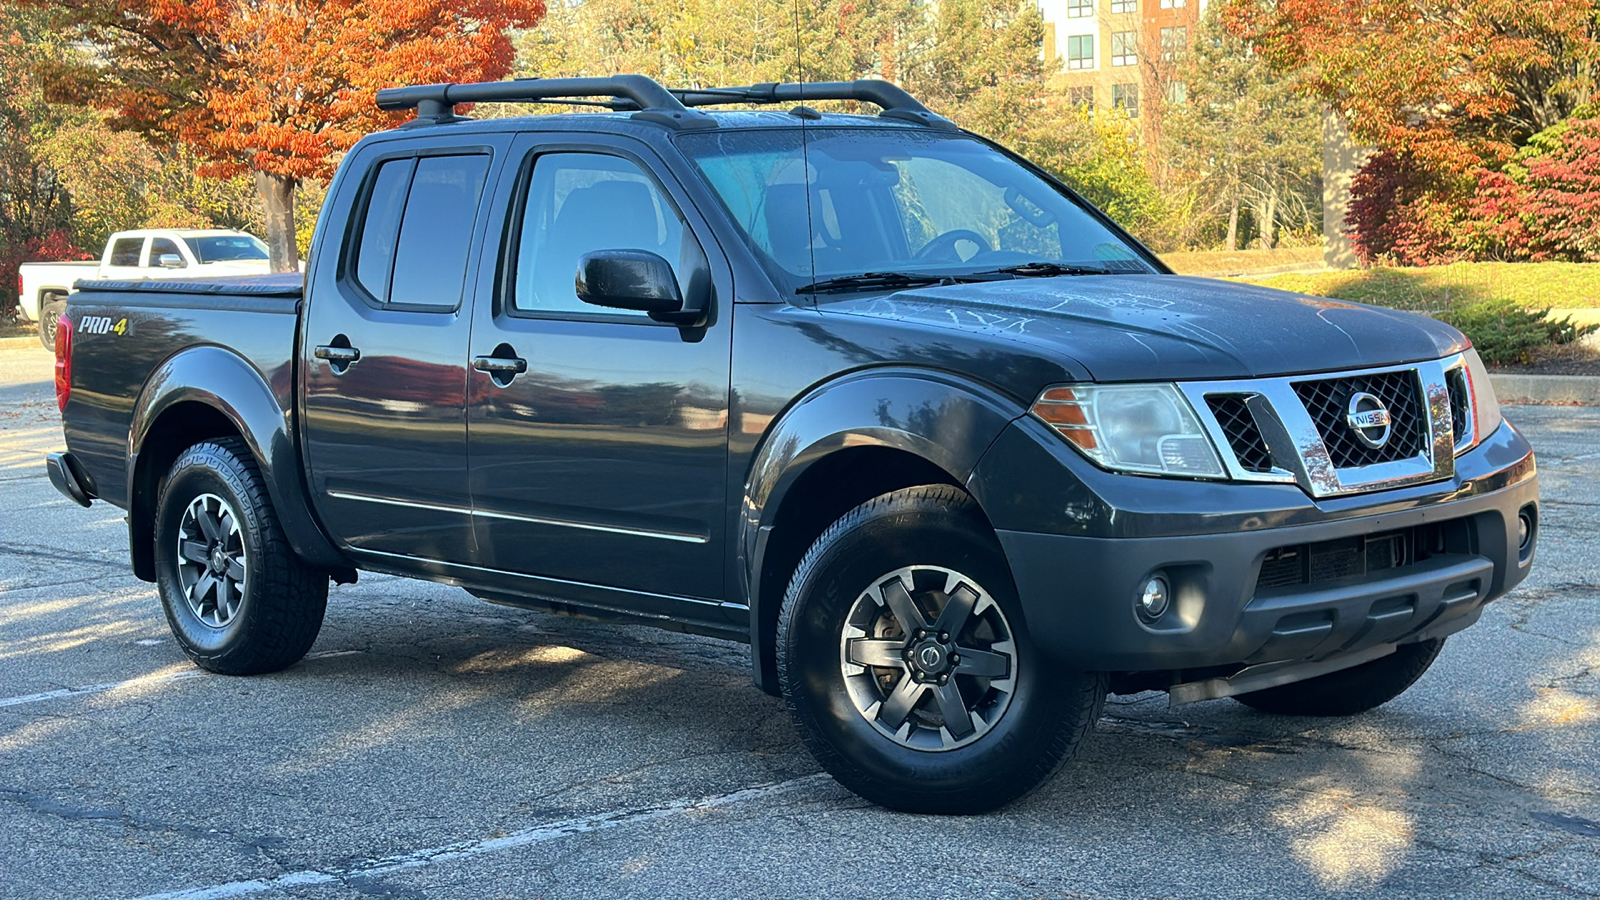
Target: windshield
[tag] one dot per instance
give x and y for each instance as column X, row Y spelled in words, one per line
column 226, row 248
column 897, row 201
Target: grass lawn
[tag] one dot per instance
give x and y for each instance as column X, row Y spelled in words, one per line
column 1438, row 288
column 1226, row 262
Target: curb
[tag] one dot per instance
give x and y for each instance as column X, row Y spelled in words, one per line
column 1576, row 390
column 21, row 343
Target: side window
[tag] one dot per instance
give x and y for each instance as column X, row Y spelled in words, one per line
column 380, row 225
column 430, row 263
column 416, row 233
column 578, row 203
column 125, row 252
column 160, row 247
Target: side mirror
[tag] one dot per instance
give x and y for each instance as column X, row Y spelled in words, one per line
column 635, row 279
column 170, row 261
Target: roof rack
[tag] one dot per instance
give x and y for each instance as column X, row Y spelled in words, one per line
column 435, row 103
column 894, row 100
column 649, row 101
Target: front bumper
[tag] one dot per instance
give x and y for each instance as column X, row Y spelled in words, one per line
column 1460, row 550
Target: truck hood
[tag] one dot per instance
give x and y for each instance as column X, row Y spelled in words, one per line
column 1169, row 327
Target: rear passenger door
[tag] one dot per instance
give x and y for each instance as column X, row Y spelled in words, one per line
column 385, row 348
column 604, row 462
column 124, row 258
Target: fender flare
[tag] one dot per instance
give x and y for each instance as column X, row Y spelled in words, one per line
column 944, row 420
column 224, row 381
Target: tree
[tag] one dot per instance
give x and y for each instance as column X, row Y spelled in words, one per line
column 276, row 90
column 1249, row 135
column 35, row 209
column 1454, row 84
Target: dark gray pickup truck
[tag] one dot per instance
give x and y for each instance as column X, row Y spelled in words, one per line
column 953, row 453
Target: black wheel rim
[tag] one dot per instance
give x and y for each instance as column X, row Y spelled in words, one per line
column 212, row 566
column 928, row 658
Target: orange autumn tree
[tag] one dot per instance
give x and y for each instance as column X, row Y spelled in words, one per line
column 277, row 88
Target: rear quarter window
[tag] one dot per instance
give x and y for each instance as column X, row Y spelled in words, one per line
column 415, row 234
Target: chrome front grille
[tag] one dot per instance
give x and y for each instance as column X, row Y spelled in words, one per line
column 1300, row 430
column 1239, row 427
column 1460, row 404
column 1328, row 402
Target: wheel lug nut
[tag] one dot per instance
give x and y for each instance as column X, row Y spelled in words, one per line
column 943, row 679
column 944, row 636
column 955, row 658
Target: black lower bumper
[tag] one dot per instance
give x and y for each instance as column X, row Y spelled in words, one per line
column 68, row 477
column 1258, row 596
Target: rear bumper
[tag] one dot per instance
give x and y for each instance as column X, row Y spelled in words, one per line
column 68, row 477
column 1079, row 592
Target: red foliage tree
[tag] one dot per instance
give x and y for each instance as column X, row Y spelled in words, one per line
column 1453, row 84
column 1546, row 205
column 1400, row 214
column 279, row 89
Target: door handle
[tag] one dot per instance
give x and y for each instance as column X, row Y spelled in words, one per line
column 337, row 354
column 499, row 365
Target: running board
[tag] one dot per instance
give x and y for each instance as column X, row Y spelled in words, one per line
column 1269, row 675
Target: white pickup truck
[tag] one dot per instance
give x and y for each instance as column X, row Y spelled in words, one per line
column 42, row 288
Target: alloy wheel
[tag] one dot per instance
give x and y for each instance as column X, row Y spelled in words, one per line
column 928, row 658
column 212, row 563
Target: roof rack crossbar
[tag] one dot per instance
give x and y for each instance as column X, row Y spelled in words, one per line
column 894, row 100
column 435, row 103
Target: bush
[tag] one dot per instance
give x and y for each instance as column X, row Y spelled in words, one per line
column 1401, row 214
column 1545, row 205
column 1505, row 333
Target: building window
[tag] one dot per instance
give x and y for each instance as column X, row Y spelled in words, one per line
column 1081, row 97
column 1174, row 41
column 1172, row 4
column 1080, row 51
column 1124, row 6
column 1078, row 9
column 1177, row 92
column 1122, row 48
column 1126, row 97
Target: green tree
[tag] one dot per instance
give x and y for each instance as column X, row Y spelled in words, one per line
column 1247, row 138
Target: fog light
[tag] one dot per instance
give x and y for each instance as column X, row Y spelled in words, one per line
column 1524, row 530
column 1155, row 599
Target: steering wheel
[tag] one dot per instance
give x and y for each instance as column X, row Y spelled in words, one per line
column 943, row 247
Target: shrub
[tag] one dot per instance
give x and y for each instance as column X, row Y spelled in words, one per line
column 1505, row 333
column 1545, row 205
column 1401, row 214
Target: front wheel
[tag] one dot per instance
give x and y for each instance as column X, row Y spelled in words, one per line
column 1348, row 692
column 908, row 668
column 238, row 599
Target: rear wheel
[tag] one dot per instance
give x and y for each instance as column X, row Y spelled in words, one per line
column 238, row 600
column 1349, row 691
column 51, row 306
column 908, row 668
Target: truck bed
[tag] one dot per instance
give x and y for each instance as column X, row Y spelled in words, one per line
column 146, row 324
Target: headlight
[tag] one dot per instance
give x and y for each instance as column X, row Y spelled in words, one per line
column 1146, row 428
column 1485, row 408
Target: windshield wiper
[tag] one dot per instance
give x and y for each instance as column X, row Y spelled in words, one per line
column 1049, row 270
column 867, row 281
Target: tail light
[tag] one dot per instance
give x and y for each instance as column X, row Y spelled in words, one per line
column 63, row 361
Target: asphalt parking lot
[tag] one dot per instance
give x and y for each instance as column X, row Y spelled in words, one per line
column 435, row 746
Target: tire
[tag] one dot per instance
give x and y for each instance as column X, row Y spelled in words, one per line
column 263, row 606
column 1348, row 692
column 50, row 309
column 1021, row 725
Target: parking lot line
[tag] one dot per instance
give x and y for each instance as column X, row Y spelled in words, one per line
column 104, row 686
column 538, row 834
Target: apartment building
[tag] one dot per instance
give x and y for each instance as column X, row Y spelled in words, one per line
column 1119, row 53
